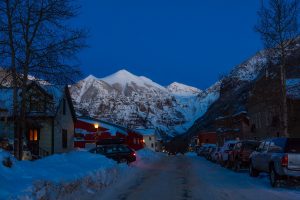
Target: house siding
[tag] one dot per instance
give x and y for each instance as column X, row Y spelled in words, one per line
column 45, row 142
column 150, row 143
column 63, row 122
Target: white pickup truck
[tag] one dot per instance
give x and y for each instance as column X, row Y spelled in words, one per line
column 280, row 157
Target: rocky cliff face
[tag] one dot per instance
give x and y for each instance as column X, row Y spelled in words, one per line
column 136, row 101
column 236, row 87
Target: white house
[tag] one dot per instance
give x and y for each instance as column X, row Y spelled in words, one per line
column 149, row 138
column 50, row 118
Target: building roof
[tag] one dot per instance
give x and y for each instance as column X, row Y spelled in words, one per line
column 112, row 128
column 55, row 92
column 145, row 132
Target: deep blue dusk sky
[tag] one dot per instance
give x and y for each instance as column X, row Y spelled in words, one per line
column 188, row 41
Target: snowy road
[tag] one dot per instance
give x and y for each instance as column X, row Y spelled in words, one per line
column 192, row 177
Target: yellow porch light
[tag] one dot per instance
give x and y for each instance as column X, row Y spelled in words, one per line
column 96, row 126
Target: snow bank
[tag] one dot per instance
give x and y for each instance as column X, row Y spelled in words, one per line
column 55, row 173
column 62, row 174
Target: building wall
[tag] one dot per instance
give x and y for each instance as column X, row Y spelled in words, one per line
column 63, row 122
column 150, row 141
column 294, row 118
column 134, row 140
column 209, row 138
column 45, row 142
column 6, row 129
column 265, row 111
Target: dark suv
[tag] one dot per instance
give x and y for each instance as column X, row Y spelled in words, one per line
column 118, row 152
column 239, row 156
column 280, row 157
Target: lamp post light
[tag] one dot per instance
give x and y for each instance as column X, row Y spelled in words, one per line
column 96, row 126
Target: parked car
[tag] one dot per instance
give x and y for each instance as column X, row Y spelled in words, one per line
column 280, row 157
column 239, row 156
column 225, row 151
column 203, row 150
column 211, row 149
column 118, row 152
column 215, row 154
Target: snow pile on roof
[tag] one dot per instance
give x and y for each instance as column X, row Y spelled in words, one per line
column 111, row 127
column 145, row 132
column 56, row 91
column 6, row 96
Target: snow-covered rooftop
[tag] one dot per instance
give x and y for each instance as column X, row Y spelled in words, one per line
column 113, row 129
column 146, row 132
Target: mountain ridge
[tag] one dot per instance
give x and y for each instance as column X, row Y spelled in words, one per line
column 138, row 102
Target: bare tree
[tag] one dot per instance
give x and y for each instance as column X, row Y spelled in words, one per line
column 40, row 44
column 279, row 30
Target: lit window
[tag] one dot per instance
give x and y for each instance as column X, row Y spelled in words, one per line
column 33, row 135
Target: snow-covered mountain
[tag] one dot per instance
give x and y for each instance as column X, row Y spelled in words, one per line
column 183, row 90
column 138, row 102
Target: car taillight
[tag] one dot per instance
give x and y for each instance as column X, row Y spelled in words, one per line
column 133, row 153
column 285, row 160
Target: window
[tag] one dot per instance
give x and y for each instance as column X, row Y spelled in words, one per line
column 33, row 135
column 152, row 145
column 36, row 104
column 238, row 146
column 64, row 107
column 64, row 139
column 253, row 128
column 266, row 146
column 149, row 138
column 261, row 146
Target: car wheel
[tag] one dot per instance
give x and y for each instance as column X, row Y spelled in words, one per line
column 252, row 171
column 274, row 177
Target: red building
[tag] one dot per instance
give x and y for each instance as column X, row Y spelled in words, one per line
column 207, row 138
column 88, row 131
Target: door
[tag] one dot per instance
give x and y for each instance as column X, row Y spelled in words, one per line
column 33, row 141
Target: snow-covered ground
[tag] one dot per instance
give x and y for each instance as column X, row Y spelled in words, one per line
column 63, row 174
column 192, row 178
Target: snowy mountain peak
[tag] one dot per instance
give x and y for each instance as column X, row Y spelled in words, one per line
column 182, row 89
column 136, row 101
column 124, row 78
column 90, row 77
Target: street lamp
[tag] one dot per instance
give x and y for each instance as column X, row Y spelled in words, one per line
column 96, row 126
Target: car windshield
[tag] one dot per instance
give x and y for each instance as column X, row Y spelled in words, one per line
column 230, row 146
column 292, row 146
column 250, row 145
column 124, row 149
